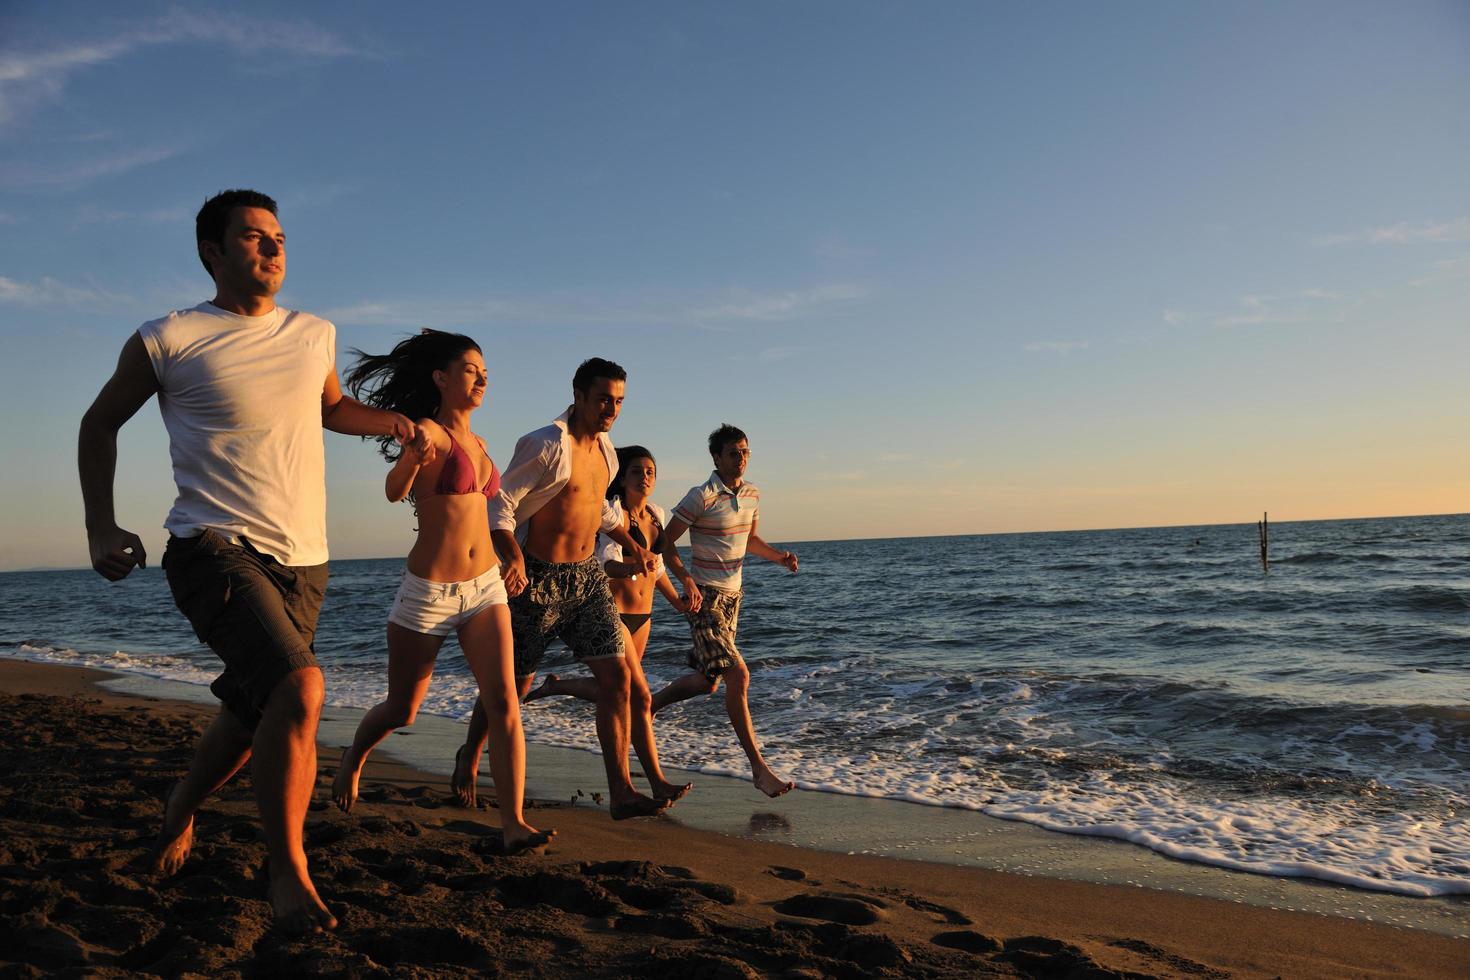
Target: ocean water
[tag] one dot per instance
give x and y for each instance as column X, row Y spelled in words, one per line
column 1149, row 685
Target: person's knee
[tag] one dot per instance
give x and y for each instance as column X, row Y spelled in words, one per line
column 639, row 698
column 613, row 678
column 401, row 714
column 299, row 695
column 737, row 676
column 499, row 710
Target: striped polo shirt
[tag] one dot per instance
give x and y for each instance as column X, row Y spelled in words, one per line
column 720, row 521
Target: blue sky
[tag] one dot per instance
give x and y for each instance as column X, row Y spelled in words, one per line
column 955, row 267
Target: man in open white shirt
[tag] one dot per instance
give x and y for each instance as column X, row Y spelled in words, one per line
column 721, row 515
column 544, row 523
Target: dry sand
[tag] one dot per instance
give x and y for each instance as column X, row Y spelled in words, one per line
column 420, row 891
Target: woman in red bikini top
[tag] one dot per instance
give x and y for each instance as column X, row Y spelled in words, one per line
column 452, row 581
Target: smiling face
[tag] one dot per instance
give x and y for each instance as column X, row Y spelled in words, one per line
column 731, row 461
column 463, row 380
column 639, row 478
column 251, row 261
column 597, row 408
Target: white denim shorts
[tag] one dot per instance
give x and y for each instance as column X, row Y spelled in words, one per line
column 440, row 608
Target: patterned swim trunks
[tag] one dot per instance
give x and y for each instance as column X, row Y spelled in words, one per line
column 570, row 601
column 713, row 631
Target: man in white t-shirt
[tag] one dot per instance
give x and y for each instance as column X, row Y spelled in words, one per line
column 245, row 388
column 721, row 515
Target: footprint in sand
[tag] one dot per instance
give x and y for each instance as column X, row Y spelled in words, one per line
column 943, row 913
column 967, row 940
column 1183, row 964
column 851, row 910
column 1044, row 956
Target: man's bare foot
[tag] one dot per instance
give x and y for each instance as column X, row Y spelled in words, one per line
column 175, row 838
column 637, row 805
column 344, row 787
column 771, row 784
column 466, row 774
column 542, row 690
column 299, row 912
column 671, row 792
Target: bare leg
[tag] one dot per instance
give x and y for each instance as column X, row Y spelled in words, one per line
column 410, row 666
column 640, row 717
column 576, row 687
column 467, row 756
column 486, row 640
column 222, row 750
column 737, row 683
column 691, row 685
column 612, row 732
column 284, row 750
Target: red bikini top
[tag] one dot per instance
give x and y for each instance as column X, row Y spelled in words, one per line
column 458, row 475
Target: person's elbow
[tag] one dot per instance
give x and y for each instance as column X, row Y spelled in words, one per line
column 97, row 423
column 328, row 411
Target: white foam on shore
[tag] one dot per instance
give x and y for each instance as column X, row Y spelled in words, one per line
column 1347, row 841
column 162, row 666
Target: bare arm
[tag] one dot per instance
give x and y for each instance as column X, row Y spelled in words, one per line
column 635, row 555
column 693, row 598
column 757, row 546
column 351, row 417
column 113, row 550
column 669, row 593
column 512, row 562
column 615, row 567
column 417, row 453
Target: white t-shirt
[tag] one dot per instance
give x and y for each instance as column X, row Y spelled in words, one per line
column 241, row 397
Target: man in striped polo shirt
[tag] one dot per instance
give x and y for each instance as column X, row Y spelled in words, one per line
column 721, row 515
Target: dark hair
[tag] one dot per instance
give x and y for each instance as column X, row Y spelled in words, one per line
column 722, row 437
column 596, row 367
column 212, row 220
column 403, row 379
column 626, row 455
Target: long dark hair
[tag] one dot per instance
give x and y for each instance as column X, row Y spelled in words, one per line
column 626, row 455
column 402, row 380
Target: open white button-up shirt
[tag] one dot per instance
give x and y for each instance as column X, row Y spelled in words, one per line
column 538, row 470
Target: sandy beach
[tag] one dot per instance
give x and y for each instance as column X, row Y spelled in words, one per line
column 420, row 889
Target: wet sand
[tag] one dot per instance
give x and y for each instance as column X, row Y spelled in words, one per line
column 420, row 890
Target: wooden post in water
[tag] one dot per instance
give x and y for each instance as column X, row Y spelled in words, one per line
column 1265, row 528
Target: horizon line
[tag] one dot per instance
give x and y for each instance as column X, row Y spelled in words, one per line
column 898, row 537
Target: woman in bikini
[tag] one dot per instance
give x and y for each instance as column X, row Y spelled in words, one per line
column 452, row 580
column 644, row 521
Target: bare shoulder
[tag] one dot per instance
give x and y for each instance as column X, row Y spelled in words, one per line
column 437, row 433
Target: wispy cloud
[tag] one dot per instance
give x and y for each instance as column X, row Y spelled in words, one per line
column 29, row 78
column 1405, row 233
column 1057, row 346
column 779, row 306
column 1445, row 269
column 48, row 293
column 90, row 214
column 1262, row 309
column 714, row 311
column 16, row 176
